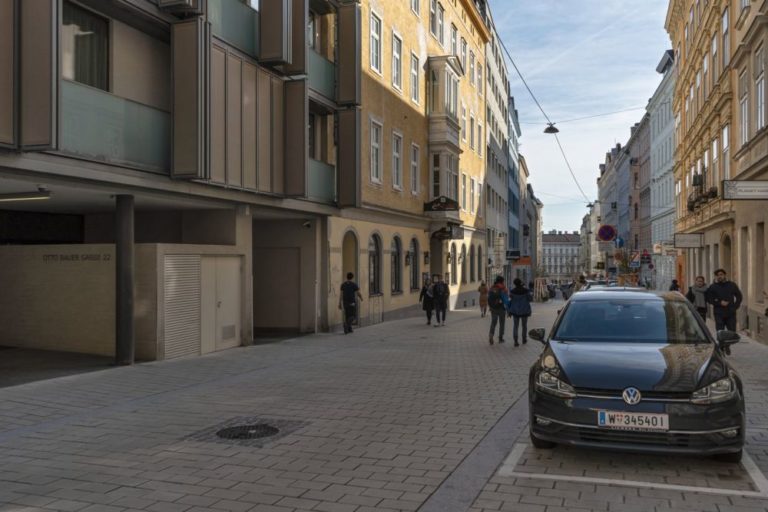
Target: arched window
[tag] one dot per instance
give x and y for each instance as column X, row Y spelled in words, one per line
column 463, row 264
column 480, row 263
column 454, row 266
column 471, row 263
column 413, row 253
column 396, row 259
column 374, row 265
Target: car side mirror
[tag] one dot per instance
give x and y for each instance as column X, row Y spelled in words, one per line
column 726, row 338
column 538, row 335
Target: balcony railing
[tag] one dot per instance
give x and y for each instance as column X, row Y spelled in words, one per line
column 322, row 75
column 97, row 125
column 235, row 23
column 322, row 181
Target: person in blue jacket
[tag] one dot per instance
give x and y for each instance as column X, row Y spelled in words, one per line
column 498, row 303
column 520, row 299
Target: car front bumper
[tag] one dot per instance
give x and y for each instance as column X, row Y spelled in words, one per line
column 693, row 428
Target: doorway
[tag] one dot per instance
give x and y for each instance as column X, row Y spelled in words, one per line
column 726, row 259
column 349, row 255
column 220, row 302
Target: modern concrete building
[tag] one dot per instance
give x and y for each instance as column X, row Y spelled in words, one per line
column 561, row 256
column 499, row 203
column 515, row 193
column 609, row 204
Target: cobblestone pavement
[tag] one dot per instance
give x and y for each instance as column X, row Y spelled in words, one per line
column 398, row 416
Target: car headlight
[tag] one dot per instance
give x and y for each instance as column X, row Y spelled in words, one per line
column 548, row 383
column 719, row 391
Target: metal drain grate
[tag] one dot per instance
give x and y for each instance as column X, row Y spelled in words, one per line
column 239, row 432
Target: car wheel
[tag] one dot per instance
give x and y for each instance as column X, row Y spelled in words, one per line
column 542, row 444
column 734, row 457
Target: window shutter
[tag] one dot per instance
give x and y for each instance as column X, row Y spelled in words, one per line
column 275, row 31
column 296, row 152
column 8, row 74
column 190, row 48
column 348, row 66
column 299, row 43
column 348, row 164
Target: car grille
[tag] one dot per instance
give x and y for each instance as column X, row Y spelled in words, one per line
column 647, row 395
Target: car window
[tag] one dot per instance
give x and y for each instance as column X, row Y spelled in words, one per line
column 630, row 320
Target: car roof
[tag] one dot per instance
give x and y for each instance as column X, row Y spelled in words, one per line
column 626, row 292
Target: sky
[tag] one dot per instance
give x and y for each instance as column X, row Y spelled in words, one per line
column 580, row 58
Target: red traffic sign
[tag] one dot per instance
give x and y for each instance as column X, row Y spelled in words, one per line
column 606, row 233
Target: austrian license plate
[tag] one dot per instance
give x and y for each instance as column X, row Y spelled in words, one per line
column 632, row 420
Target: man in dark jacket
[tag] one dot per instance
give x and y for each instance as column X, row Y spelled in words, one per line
column 725, row 298
column 498, row 302
column 441, row 294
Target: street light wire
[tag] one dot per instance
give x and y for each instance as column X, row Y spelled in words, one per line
column 562, row 151
column 605, row 114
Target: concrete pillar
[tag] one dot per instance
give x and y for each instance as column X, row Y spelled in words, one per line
column 124, row 280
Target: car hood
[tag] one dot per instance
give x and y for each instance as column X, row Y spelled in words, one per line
column 646, row 366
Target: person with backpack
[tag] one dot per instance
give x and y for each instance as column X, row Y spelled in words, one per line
column 498, row 302
column 520, row 299
column 441, row 293
column 427, row 299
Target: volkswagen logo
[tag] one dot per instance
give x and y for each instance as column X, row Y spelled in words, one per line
column 631, row 396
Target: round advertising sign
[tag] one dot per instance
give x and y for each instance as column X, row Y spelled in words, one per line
column 606, row 233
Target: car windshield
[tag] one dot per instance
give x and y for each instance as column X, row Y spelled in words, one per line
column 630, row 320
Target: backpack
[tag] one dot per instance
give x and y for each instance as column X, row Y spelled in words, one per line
column 494, row 299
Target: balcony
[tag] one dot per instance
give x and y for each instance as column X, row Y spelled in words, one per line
column 235, row 23
column 322, row 75
column 322, row 182
column 97, row 125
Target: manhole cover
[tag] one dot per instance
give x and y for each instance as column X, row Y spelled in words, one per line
column 248, row 431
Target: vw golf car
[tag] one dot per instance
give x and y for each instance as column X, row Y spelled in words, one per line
column 634, row 370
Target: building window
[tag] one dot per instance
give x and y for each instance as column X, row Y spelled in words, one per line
column 451, row 93
column 726, row 35
column 480, row 142
column 454, row 40
column 374, row 265
column 704, row 74
column 413, row 252
column 714, row 59
column 397, row 62
column 376, row 43
column 463, row 264
column 396, row 259
column 376, row 152
column 397, row 161
column 454, row 264
column 414, row 78
column 759, row 89
column 471, row 263
column 480, row 79
column 464, row 123
column 435, row 175
column 472, row 196
column 440, row 24
column 480, row 263
column 472, row 68
column 85, row 47
column 715, row 165
column 464, row 54
column 463, row 191
column 415, row 168
column 472, row 132
column 416, row 6
column 726, row 161
column 453, row 169
column 433, row 17
column 744, row 107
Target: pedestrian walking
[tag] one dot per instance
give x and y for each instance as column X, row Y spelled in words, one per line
column 441, row 293
column 427, row 299
column 498, row 302
column 483, row 300
column 725, row 297
column 697, row 294
column 520, row 299
column 350, row 294
column 674, row 287
column 580, row 284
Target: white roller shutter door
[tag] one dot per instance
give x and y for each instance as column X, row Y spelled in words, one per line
column 182, row 305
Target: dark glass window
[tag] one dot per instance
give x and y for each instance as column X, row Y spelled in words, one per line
column 396, row 255
column 85, row 47
column 374, row 265
column 414, row 255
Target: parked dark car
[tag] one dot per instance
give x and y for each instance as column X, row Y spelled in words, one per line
column 635, row 370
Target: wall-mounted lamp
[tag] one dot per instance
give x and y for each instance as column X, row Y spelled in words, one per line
column 426, row 257
column 448, row 258
column 407, row 259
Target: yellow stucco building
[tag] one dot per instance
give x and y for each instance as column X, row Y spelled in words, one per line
column 422, row 154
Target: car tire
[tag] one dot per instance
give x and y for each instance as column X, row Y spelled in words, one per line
column 733, row 458
column 541, row 444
